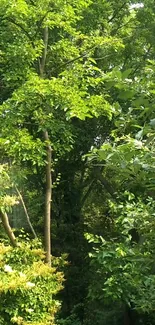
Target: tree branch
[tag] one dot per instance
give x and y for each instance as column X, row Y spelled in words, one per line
column 144, row 58
column 116, row 12
column 78, row 57
column 22, row 28
column 104, row 182
column 26, row 213
column 88, row 192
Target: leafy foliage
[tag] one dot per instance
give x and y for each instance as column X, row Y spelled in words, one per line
column 27, row 285
column 95, row 98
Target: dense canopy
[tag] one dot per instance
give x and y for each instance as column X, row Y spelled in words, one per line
column 77, row 185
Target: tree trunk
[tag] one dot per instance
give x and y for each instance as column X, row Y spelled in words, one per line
column 42, row 62
column 48, row 199
column 8, row 229
column 126, row 317
column 48, row 194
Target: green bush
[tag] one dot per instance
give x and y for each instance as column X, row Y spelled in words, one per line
column 28, row 286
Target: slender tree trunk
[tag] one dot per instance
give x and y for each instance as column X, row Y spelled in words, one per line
column 42, row 62
column 48, row 199
column 8, row 229
column 48, row 194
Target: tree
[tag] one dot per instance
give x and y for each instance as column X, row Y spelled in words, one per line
column 77, row 89
column 35, row 96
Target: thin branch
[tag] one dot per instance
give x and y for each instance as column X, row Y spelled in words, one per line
column 22, row 28
column 104, row 182
column 103, row 57
column 88, row 192
column 83, row 55
column 144, row 58
column 116, row 12
column 78, row 57
column 26, row 213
